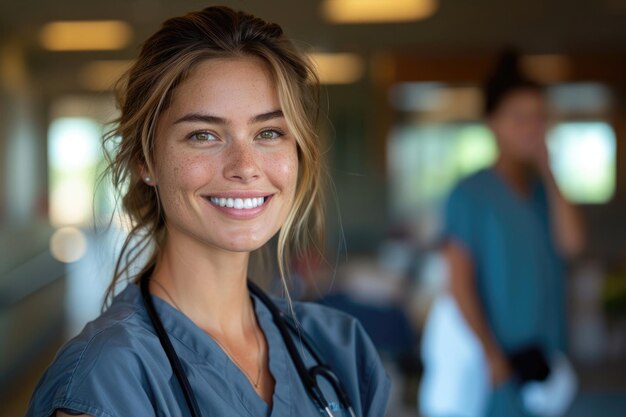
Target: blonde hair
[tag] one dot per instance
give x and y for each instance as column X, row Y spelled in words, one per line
column 165, row 61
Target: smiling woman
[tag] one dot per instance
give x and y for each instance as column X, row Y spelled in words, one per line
column 217, row 141
column 217, row 154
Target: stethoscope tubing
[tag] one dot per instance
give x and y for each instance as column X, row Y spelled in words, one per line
column 166, row 343
column 284, row 325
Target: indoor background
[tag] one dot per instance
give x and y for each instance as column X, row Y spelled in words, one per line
column 403, row 120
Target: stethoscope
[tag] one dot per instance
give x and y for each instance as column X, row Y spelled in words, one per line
column 284, row 324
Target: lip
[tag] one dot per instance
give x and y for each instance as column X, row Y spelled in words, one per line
column 240, row 214
column 240, row 194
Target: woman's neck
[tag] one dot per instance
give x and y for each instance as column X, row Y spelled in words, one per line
column 208, row 284
column 515, row 174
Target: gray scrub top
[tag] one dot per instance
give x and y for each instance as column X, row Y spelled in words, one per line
column 116, row 367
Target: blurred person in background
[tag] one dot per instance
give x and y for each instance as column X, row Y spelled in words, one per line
column 217, row 153
column 507, row 231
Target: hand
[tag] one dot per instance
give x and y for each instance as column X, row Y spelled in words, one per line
column 499, row 368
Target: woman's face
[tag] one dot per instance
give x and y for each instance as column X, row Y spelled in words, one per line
column 225, row 163
column 519, row 125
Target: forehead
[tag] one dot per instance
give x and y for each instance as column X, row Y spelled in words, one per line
column 523, row 98
column 223, row 84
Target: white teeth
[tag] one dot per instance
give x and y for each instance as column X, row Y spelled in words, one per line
column 238, row 203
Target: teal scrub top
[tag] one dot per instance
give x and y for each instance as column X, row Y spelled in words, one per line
column 517, row 270
column 518, row 273
column 116, row 367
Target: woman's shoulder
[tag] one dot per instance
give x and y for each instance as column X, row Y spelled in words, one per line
column 104, row 353
column 474, row 185
column 337, row 334
column 116, row 330
column 321, row 320
column 473, row 195
column 347, row 348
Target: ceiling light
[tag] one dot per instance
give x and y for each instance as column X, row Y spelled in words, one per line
column 96, row 35
column 377, row 11
column 547, row 68
column 338, row 68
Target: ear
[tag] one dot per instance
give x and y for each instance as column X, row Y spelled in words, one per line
column 145, row 174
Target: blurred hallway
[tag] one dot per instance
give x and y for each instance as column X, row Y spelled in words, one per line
column 404, row 121
column 15, row 398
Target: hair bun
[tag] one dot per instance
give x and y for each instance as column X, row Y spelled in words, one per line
column 505, row 77
column 507, row 66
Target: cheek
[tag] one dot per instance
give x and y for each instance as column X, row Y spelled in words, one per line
column 178, row 175
column 196, row 171
column 282, row 169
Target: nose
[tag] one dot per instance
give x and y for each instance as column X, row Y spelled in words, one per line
column 241, row 163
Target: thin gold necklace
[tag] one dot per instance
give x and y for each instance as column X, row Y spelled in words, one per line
column 255, row 382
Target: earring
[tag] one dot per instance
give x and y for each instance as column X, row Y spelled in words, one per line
column 147, row 179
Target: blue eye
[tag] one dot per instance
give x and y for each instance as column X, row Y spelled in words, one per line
column 202, row 137
column 270, row 134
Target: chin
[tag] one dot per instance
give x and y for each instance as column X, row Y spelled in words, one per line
column 242, row 248
column 244, row 244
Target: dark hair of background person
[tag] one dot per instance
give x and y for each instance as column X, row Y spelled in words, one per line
column 506, row 77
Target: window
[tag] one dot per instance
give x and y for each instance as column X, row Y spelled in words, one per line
column 583, row 158
column 426, row 160
column 74, row 153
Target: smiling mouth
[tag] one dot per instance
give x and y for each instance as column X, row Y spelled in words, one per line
column 239, row 203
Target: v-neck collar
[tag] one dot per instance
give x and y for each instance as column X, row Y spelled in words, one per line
column 509, row 189
column 205, row 351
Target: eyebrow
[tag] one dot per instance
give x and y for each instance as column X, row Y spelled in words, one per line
column 208, row 118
